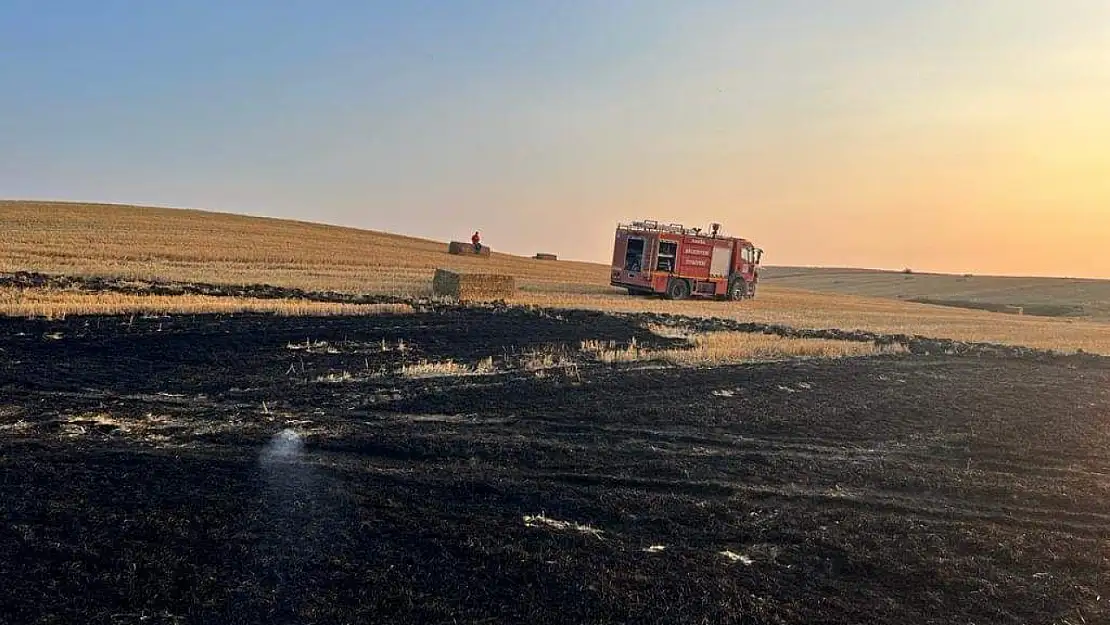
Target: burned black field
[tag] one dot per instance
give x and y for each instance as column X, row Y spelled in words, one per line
column 144, row 478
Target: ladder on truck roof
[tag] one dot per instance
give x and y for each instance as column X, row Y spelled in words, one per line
column 651, row 224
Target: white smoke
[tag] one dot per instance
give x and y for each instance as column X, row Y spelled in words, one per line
column 290, row 484
column 290, row 542
column 285, row 447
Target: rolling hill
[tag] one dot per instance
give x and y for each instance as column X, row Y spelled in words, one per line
column 142, row 243
column 185, row 244
column 1063, row 297
column 193, row 245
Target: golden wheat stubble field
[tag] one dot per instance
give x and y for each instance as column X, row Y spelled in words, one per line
column 198, row 246
column 57, row 304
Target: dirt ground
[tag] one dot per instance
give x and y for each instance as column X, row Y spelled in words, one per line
column 145, row 478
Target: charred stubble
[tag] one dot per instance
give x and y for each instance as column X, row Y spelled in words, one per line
column 141, row 479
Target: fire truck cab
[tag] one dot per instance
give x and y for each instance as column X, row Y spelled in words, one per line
column 677, row 262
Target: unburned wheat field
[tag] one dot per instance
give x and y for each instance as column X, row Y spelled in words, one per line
column 191, row 246
column 203, row 423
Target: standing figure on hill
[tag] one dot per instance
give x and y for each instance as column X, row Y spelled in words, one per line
column 477, row 241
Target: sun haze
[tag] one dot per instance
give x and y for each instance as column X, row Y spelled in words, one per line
column 948, row 135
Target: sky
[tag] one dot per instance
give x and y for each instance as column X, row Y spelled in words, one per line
column 940, row 135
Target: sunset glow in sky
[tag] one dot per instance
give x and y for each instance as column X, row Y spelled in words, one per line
column 944, row 135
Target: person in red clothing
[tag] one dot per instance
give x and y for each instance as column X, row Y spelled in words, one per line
column 477, row 241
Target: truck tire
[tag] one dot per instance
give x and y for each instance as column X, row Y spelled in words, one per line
column 737, row 289
column 678, row 288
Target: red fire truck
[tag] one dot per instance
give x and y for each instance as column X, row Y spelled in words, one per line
column 679, row 262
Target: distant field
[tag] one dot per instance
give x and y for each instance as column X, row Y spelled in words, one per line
column 1056, row 297
column 196, row 246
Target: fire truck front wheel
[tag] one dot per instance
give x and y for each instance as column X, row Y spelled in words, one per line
column 678, row 289
column 737, row 289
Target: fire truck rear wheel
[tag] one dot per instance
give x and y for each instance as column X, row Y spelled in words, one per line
column 678, row 289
